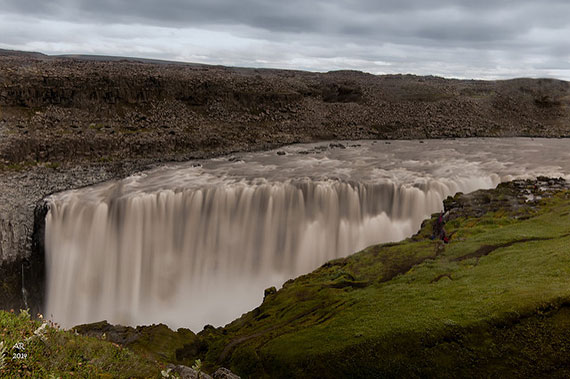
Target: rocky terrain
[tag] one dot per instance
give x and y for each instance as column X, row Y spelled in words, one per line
column 67, row 122
column 61, row 110
column 492, row 302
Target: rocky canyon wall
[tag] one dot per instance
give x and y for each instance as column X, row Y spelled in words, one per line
column 72, row 122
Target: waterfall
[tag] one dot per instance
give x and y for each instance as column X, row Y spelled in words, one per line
column 197, row 243
column 205, row 255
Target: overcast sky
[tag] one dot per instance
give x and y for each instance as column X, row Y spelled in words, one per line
column 466, row 39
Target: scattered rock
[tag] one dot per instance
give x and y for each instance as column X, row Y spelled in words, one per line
column 224, row 373
column 188, row 373
column 509, row 197
column 269, row 291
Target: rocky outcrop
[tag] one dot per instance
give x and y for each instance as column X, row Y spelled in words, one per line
column 173, row 346
column 189, row 373
column 511, row 196
column 157, row 342
column 224, row 373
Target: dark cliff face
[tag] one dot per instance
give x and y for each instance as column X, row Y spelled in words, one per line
column 34, row 268
column 23, row 277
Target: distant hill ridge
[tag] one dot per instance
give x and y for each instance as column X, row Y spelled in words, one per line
column 171, row 110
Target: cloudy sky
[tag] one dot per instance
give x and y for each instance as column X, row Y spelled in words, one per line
column 466, row 39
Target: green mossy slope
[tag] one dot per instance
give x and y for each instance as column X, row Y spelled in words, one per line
column 495, row 300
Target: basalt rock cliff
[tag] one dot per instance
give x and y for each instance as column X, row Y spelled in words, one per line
column 66, row 109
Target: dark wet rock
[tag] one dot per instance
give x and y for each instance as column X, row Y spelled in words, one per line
column 269, row 291
column 188, row 373
column 224, row 373
column 11, row 284
column 122, row 335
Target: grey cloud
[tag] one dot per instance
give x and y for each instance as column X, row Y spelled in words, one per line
column 291, row 15
column 288, row 15
column 405, row 33
column 437, row 20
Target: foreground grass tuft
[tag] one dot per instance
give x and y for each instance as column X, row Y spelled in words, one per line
column 32, row 348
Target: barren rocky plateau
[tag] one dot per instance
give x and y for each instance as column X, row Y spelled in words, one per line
column 67, row 122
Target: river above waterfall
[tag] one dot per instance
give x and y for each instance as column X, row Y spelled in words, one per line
column 197, row 243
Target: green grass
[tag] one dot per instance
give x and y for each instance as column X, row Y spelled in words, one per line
column 26, row 165
column 17, row 166
column 61, row 353
column 370, row 314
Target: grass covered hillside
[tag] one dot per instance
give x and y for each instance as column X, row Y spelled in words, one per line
column 494, row 300
column 32, row 348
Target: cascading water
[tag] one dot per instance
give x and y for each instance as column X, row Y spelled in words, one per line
column 190, row 245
